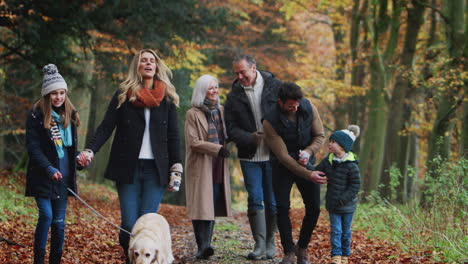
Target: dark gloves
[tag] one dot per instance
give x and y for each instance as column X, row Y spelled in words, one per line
column 224, row 152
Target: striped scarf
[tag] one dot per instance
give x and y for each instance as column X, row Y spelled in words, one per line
column 215, row 128
column 62, row 137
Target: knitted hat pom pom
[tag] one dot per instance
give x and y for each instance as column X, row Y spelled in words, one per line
column 355, row 129
column 50, row 69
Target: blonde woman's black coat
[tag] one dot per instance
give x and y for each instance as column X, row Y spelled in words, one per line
column 129, row 124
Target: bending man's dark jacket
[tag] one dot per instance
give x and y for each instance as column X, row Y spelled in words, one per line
column 240, row 121
column 344, row 181
column 285, row 138
column 129, row 124
column 42, row 154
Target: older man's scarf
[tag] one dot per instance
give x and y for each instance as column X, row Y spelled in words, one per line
column 146, row 97
column 62, row 137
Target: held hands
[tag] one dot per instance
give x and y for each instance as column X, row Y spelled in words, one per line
column 85, row 157
column 304, row 157
column 175, row 177
column 318, row 177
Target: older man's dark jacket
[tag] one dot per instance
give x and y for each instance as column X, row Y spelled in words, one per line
column 240, row 121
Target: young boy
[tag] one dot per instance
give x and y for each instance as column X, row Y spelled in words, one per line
column 342, row 171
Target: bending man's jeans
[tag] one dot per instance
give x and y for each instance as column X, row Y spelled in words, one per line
column 283, row 181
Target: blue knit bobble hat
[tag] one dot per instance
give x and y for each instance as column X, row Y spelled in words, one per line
column 346, row 137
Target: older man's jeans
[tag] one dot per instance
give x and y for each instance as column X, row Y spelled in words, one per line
column 138, row 198
column 340, row 235
column 51, row 214
column 259, row 185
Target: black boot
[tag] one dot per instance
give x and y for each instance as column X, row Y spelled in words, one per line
column 39, row 256
column 202, row 236
column 55, row 257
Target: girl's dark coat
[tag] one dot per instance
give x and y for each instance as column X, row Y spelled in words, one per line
column 129, row 122
column 42, row 154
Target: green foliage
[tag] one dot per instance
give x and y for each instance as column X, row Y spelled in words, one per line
column 12, row 203
column 440, row 225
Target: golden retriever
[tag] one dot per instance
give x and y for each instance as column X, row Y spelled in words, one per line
column 151, row 243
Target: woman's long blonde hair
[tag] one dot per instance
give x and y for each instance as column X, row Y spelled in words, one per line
column 134, row 79
column 70, row 114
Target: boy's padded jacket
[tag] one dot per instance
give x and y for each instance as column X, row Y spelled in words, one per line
column 344, row 181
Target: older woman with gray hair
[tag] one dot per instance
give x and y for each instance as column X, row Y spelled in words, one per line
column 207, row 172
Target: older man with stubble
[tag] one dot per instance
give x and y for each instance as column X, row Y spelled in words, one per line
column 253, row 94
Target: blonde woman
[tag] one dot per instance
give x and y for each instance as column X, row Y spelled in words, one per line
column 145, row 156
column 207, row 182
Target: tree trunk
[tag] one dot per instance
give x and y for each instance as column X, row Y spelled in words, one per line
column 356, row 107
column 372, row 156
column 439, row 142
column 341, row 105
column 397, row 140
column 374, row 145
column 2, row 111
column 99, row 102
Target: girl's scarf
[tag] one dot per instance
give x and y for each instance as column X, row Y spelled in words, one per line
column 148, row 98
column 62, row 137
column 215, row 129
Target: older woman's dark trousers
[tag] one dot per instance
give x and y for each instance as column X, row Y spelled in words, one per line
column 283, row 181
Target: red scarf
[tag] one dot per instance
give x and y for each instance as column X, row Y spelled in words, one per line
column 149, row 97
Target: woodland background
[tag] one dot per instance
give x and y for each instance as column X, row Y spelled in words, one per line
column 396, row 68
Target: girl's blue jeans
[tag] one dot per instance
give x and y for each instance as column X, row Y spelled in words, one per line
column 138, row 198
column 340, row 235
column 51, row 214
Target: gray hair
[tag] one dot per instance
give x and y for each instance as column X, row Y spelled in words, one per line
column 200, row 88
column 250, row 59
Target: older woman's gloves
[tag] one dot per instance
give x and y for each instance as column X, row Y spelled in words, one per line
column 175, row 177
column 224, row 152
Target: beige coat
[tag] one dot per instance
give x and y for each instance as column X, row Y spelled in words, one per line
column 199, row 155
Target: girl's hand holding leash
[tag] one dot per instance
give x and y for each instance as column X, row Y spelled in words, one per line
column 57, row 176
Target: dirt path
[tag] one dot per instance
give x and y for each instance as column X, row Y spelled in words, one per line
column 90, row 239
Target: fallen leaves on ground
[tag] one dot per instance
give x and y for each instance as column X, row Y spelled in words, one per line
column 89, row 239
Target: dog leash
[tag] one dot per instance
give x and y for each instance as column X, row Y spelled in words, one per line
column 94, row 210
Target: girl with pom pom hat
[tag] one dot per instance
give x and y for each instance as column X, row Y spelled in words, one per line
column 342, row 170
column 51, row 141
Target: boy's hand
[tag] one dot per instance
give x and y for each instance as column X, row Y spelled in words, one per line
column 318, row 177
column 304, row 157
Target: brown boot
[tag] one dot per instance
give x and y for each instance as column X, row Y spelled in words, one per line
column 344, row 260
column 289, row 258
column 336, row 260
column 301, row 254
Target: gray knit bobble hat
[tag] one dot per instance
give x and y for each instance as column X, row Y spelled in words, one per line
column 52, row 80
